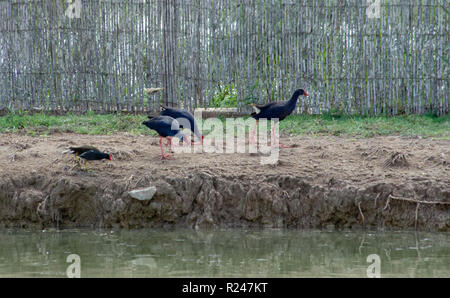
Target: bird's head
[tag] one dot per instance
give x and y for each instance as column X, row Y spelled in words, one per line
column 301, row 92
column 109, row 157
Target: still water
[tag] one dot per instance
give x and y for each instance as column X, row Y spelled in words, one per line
column 222, row 253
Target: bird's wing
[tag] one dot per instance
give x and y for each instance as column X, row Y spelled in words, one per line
column 186, row 119
column 87, row 153
column 167, row 122
column 259, row 108
column 263, row 107
column 83, row 148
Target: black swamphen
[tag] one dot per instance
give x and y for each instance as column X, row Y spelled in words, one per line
column 80, row 150
column 166, row 127
column 94, row 155
column 180, row 114
column 276, row 110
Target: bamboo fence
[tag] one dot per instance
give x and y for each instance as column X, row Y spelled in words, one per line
column 265, row 49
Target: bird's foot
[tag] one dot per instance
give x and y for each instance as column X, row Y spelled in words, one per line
column 166, row 156
column 281, row 145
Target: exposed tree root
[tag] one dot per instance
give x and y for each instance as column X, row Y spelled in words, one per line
column 418, row 202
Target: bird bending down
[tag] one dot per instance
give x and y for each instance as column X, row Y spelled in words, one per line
column 180, row 114
column 275, row 110
column 80, row 150
column 94, row 155
column 166, row 127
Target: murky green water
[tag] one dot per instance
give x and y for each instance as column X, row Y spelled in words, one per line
column 223, row 253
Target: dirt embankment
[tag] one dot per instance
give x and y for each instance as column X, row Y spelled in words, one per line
column 321, row 182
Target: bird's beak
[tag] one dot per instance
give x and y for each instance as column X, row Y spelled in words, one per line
column 305, row 93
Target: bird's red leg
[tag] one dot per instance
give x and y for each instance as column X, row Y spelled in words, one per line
column 169, row 141
column 163, row 156
column 186, row 140
column 198, row 143
column 276, row 141
column 252, row 137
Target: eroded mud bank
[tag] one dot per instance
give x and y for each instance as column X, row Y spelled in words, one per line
column 318, row 183
column 203, row 200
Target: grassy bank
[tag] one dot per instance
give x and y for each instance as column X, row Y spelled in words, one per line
column 313, row 125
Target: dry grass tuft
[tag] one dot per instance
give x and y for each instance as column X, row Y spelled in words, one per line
column 397, row 159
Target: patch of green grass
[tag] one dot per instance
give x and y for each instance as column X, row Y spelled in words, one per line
column 313, row 125
column 89, row 123
column 358, row 126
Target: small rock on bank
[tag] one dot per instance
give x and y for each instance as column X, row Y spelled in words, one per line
column 143, row 194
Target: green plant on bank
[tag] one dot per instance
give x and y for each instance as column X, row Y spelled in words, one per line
column 225, row 96
column 250, row 98
column 327, row 124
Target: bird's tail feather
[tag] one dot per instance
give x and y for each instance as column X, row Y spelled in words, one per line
column 255, row 109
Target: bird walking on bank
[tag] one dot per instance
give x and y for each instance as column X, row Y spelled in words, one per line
column 80, row 150
column 183, row 115
column 275, row 110
column 94, row 155
column 166, row 127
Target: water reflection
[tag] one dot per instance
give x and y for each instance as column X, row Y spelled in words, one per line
column 223, row 253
